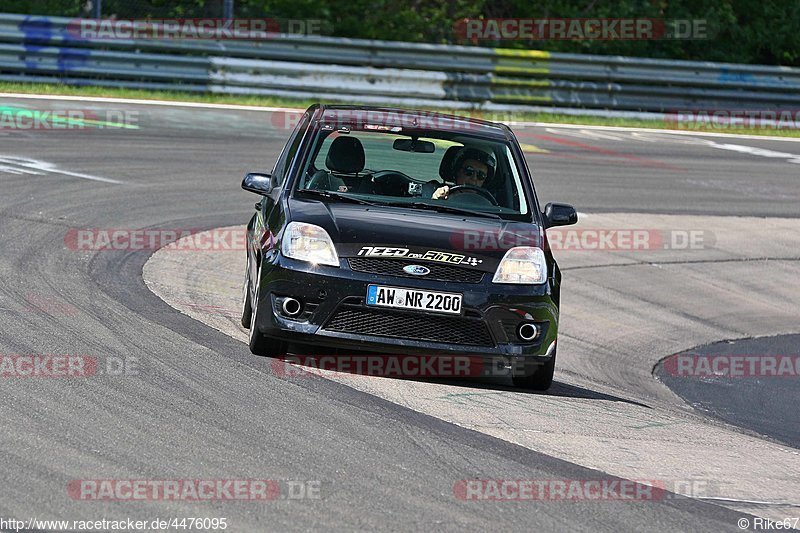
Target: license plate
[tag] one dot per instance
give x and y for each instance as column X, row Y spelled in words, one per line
column 419, row 300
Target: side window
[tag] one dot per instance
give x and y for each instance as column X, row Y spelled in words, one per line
column 322, row 154
column 290, row 150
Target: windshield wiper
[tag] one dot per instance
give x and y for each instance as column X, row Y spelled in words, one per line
column 337, row 196
column 414, row 205
column 441, row 208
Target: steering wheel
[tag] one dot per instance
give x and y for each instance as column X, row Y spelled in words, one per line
column 480, row 191
column 386, row 175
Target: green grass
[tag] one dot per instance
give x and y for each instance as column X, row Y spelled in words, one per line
column 269, row 101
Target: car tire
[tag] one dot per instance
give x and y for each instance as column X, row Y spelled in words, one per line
column 259, row 343
column 540, row 380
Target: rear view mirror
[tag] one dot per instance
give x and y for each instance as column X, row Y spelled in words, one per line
column 559, row 215
column 414, row 145
column 258, row 183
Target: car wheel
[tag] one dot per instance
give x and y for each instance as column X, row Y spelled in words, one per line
column 259, row 343
column 247, row 310
column 540, row 380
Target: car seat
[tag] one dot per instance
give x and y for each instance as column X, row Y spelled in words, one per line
column 345, row 157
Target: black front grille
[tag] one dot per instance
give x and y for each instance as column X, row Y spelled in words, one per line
column 394, row 267
column 420, row 327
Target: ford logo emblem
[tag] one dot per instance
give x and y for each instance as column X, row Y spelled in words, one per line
column 416, row 270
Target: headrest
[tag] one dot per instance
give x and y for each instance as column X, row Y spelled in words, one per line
column 446, row 169
column 346, row 155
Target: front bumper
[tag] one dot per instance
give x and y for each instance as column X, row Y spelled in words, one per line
column 334, row 315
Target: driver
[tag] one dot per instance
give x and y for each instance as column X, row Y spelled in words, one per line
column 472, row 167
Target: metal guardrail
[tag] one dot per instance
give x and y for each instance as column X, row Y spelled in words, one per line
column 45, row 49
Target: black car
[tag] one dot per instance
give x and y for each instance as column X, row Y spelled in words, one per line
column 399, row 232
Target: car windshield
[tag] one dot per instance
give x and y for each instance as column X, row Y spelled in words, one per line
column 449, row 172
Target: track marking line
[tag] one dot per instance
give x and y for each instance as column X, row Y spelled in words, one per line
column 136, row 101
column 25, row 165
column 532, row 149
column 653, row 130
column 752, row 502
column 585, row 134
column 642, row 137
column 613, row 153
column 752, row 150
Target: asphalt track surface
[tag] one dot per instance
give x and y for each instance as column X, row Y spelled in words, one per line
column 200, row 406
column 766, row 404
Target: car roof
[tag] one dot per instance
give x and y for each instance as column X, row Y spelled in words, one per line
column 410, row 119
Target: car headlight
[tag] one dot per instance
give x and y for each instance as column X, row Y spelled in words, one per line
column 307, row 242
column 522, row 264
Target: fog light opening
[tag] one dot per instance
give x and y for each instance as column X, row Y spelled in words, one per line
column 528, row 332
column 291, row 306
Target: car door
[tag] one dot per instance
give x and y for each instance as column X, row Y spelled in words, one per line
column 268, row 216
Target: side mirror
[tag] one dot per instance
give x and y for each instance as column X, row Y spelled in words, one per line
column 258, row 183
column 559, row 215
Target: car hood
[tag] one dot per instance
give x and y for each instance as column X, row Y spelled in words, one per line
column 414, row 234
